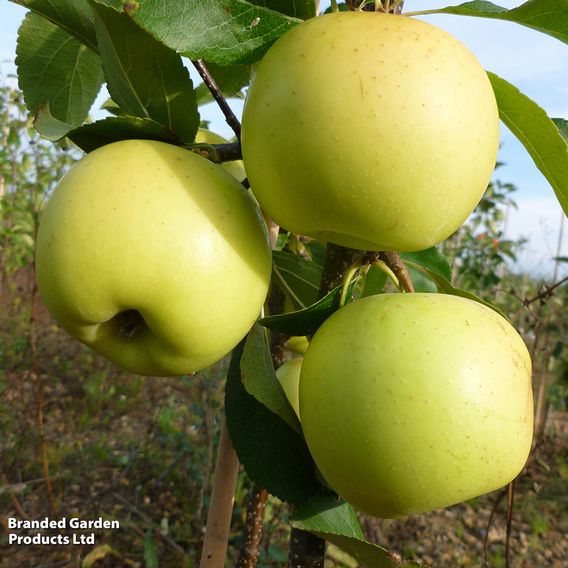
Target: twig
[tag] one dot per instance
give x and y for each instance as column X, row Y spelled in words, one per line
column 510, row 502
column 396, row 264
column 489, row 523
column 218, row 153
column 221, row 506
column 253, row 530
column 15, row 502
column 150, row 523
column 230, row 117
column 545, row 293
column 36, row 376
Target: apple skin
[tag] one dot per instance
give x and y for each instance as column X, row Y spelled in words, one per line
column 288, row 375
column 371, row 131
column 411, row 402
column 235, row 168
column 143, row 229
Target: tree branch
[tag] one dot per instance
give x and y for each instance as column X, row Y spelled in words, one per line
column 253, row 530
column 230, row 117
column 396, row 264
column 219, row 153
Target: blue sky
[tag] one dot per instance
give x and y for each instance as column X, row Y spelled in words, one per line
column 536, row 63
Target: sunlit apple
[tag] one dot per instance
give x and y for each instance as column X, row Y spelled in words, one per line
column 153, row 256
column 370, row 130
column 411, row 402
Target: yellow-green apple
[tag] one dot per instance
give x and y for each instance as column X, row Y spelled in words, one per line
column 411, row 402
column 289, row 377
column 236, row 167
column 297, row 343
column 372, row 131
column 153, row 256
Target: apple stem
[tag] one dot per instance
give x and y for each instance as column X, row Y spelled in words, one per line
column 211, row 84
column 382, row 265
column 347, row 279
column 396, row 264
column 221, row 508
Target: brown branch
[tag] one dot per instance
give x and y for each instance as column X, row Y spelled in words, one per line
column 253, row 530
column 150, row 523
column 489, row 523
column 218, row 153
column 221, row 506
column 15, row 502
column 547, row 292
column 510, row 502
column 338, row 260
column 35, row 374
column 396, row 264
column 230, row 117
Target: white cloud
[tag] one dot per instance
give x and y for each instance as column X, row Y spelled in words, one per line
column 539, row 220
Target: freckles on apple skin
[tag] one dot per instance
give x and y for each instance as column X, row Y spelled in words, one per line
column 312, row 171
column 401, row 424
column 145, row 250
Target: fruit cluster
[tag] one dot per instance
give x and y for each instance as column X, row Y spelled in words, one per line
column 371, row 131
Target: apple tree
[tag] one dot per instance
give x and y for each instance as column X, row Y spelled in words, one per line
column 368, row 137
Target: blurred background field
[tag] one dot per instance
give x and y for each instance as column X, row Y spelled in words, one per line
column 80, row 438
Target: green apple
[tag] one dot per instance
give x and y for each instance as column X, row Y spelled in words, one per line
column 297, row 343
column 235, row 168
column 372, row 131
column 153, row 256
column 289, row 377
column 411, row 402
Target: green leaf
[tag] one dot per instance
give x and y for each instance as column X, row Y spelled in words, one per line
column 223, row 31
column 562, row 125
column 56, row 70
column 374, row 282
column 113, row 129
column 446, row 287
column 76, row 17
column 334, row 520
column 432, row 259
column 230, row 81
column 546, row 16
column 111, row 107
column 421, row 282
column 308, row 320
column 538, row 134
column 302, row 9
column 144, row 77
column 298, row 278
column 273, row 454
column 49, row 126
column 259, row 377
